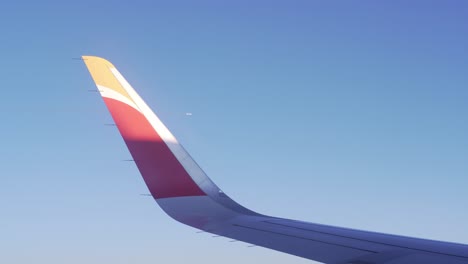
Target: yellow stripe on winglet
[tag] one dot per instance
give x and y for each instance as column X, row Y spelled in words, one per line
column 100, row 70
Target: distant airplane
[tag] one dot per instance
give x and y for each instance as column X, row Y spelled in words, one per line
column 186, row 194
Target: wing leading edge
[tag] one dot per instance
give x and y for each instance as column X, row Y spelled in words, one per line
column 185, row 193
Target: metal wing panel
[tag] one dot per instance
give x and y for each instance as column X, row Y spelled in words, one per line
column 318, row 242
column 388, row 240
column 341, row 245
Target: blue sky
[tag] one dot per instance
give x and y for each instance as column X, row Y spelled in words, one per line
column 349, row 113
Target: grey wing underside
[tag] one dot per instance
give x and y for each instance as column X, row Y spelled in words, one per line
column 317, row 242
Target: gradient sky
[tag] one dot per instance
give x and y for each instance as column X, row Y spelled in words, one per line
column 350, row 113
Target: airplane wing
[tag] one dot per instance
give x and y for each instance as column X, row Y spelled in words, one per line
column 185, row 193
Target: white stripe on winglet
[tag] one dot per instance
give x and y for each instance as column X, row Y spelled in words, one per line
column 162, row 130
column 112, row 94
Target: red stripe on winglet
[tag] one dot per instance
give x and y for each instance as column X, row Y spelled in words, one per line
column 162, row 172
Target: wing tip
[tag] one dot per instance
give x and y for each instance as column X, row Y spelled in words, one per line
column 101, row 71
column 97, row 60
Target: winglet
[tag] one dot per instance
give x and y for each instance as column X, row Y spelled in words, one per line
column 147, row 139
